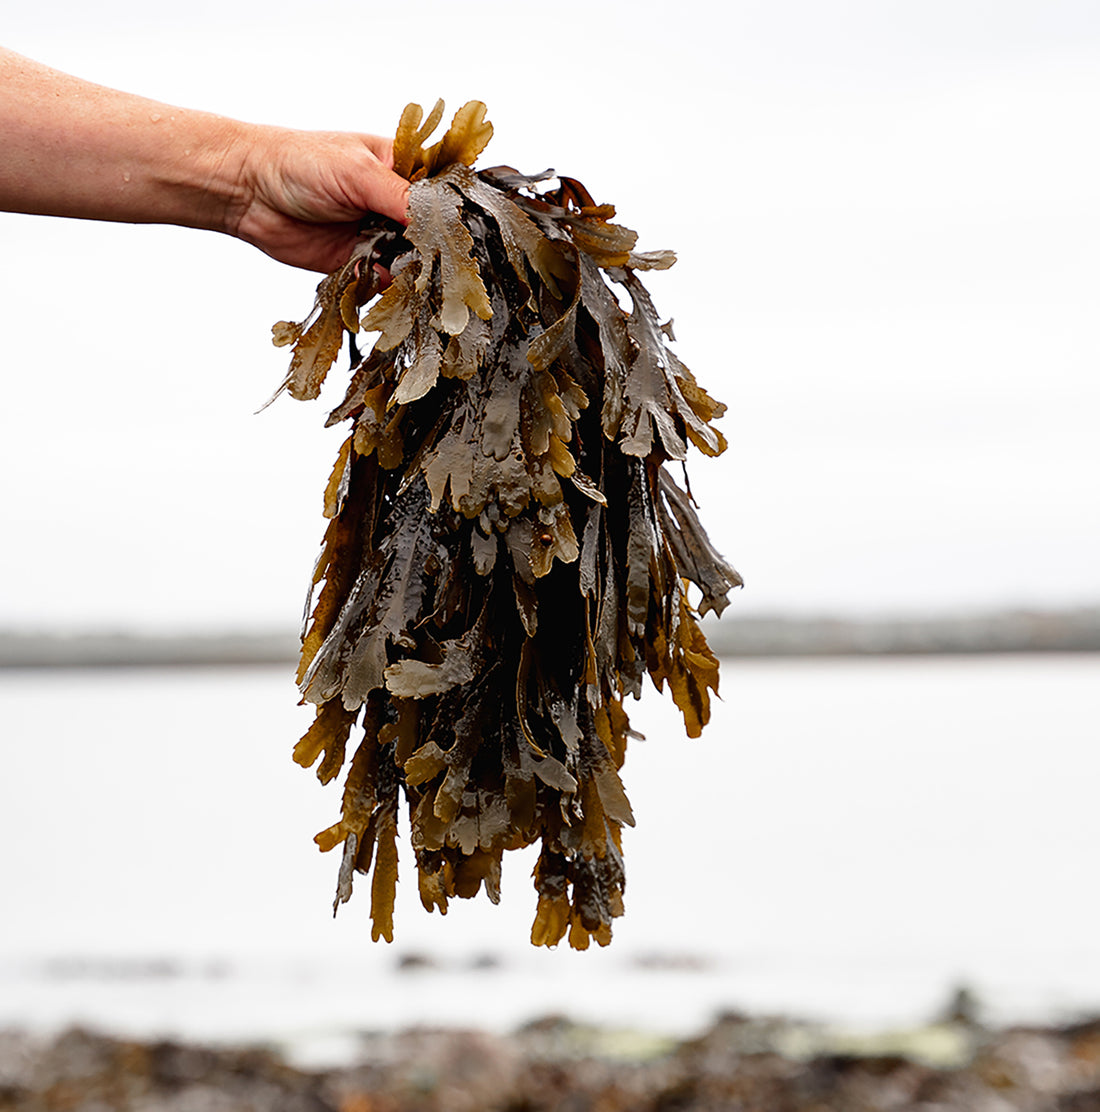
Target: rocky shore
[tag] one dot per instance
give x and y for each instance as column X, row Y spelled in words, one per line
column 738, row 1065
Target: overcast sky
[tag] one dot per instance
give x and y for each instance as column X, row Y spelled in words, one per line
column 886, row 217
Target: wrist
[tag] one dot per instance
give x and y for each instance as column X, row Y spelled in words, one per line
column 207, row 173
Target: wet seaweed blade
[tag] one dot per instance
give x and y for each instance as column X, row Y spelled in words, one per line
column 507, row 555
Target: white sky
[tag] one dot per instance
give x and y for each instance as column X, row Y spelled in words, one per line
column 886, row 216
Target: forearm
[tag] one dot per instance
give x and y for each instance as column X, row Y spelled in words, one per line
column 72, row 148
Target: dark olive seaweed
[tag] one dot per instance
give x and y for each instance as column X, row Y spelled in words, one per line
column 507, row 555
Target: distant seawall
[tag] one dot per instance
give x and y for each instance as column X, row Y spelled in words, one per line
column 1021, row 631
column 1018, row 631
column 137, row 650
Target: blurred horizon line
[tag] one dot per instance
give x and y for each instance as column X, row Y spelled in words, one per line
column 1072, row 629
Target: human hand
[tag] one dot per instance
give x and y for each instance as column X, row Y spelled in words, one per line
column 305, row 193
column 76, row 149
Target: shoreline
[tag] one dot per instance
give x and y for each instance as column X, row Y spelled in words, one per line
column 1074, row 630
column 953, row 1065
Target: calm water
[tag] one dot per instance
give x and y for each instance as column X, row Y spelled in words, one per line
column 849, row 841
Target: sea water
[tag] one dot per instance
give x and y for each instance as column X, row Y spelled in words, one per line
column 850, row 841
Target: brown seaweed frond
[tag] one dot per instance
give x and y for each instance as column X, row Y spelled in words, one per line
column 506, row 555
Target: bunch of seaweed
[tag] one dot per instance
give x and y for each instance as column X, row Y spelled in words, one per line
column 507, row 555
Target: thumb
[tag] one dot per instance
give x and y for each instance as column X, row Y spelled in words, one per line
column 388, row 193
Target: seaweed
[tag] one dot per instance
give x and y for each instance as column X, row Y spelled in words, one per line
column 507, row 555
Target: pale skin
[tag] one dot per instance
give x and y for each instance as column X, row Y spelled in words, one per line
column 69, row 147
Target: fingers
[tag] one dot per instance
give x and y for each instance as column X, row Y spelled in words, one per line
column 309, row 191
column 380, row 147
column 380, row 190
